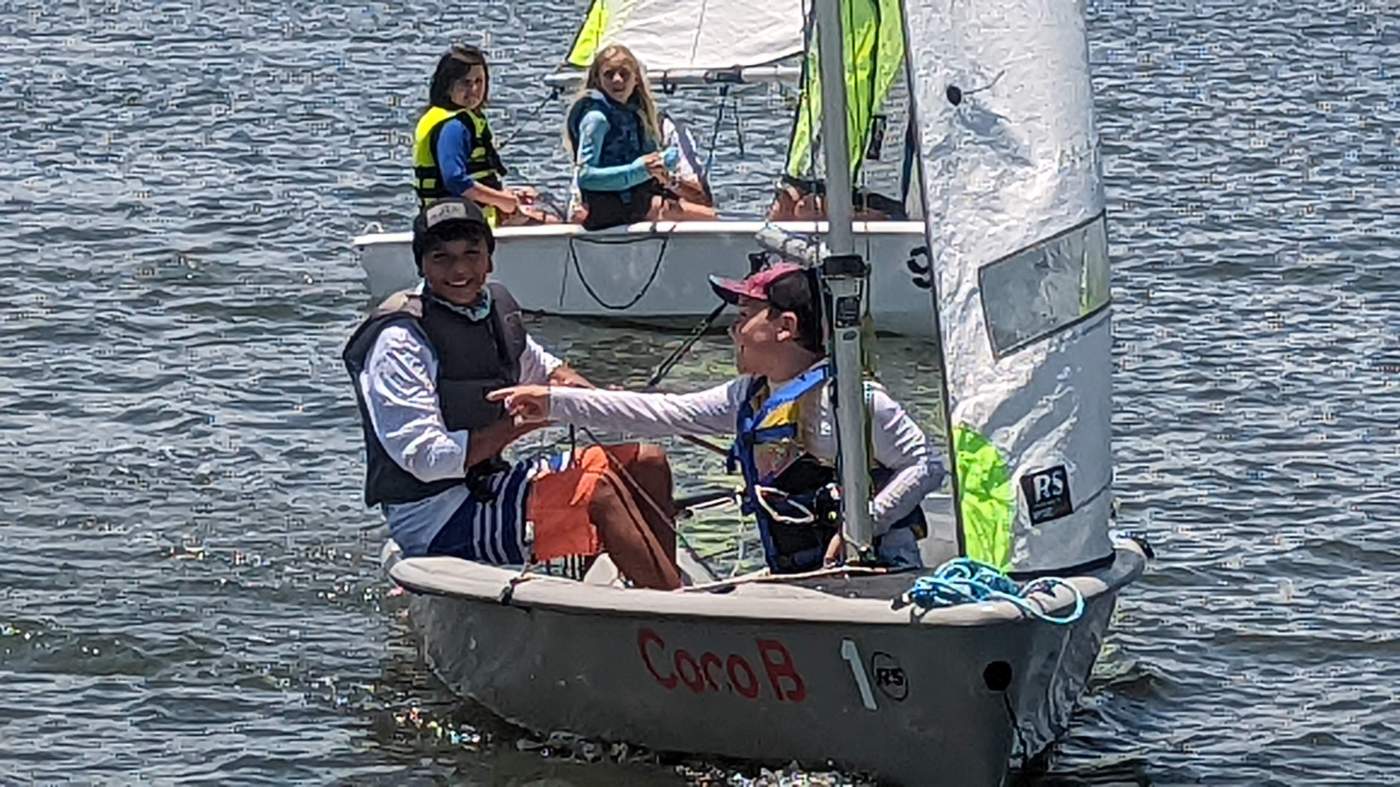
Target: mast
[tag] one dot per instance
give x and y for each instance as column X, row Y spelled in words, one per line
column 844, row 276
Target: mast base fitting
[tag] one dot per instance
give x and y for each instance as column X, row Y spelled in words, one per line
column 861, row 556
column 843, row 265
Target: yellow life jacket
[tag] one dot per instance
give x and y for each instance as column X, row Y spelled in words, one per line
column 483, row 162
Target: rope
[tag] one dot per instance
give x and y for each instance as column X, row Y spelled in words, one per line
column 756, row 262
column 738, row 131
column 761, row 494
column 966, row 581
column 765, row 576
column 699, row 28
column 668, row 517
column 508, row 591
column 636, row 486
column 551, row 205
column 655, row 269
column 741, row 551
column 641, row 492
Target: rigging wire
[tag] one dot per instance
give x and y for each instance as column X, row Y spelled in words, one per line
column 554, row 93
column 641, row 492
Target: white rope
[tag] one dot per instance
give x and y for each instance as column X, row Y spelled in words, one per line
column 807, row 517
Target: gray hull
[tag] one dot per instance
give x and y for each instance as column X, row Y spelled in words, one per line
column 768, row 672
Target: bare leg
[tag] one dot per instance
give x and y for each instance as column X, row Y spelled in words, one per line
column 628, row 513
column 647, row 475
column 679, row 210
column 528, row 215
column 690, row 190
column 629, row 537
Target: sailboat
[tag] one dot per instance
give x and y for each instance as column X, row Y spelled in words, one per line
column 848, row 666
column 658, row 271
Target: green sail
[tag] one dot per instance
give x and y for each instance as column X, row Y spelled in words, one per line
column 600, row 12
column 985, row 497
column 874, row 52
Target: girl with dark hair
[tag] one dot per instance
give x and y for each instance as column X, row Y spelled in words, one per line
column 454, row 154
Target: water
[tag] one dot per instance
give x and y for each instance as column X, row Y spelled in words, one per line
column 190, row 587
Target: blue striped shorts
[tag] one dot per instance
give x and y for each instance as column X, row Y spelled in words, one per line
column 491, row 531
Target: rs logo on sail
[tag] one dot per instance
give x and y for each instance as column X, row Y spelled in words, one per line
column 712, row 672
column 1047, row 494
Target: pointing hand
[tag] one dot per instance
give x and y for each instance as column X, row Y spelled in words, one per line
column 524, row 403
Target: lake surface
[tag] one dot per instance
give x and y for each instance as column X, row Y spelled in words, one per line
column 189, row 585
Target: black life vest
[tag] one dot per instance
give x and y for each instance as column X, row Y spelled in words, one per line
column 474, row 357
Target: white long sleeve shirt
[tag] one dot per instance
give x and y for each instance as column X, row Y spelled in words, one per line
column 897, row 441
column 399, row 384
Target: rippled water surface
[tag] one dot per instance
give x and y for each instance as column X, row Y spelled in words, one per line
column 188, row 582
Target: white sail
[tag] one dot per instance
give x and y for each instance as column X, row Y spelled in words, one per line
column 691, row 37
column 1015, row 220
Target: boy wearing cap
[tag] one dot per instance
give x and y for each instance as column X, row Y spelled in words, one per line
column 780, row 414
column 422, row 366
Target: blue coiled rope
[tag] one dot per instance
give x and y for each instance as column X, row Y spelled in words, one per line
column 966, row 581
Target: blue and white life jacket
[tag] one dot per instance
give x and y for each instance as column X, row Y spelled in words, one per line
column 786, row 488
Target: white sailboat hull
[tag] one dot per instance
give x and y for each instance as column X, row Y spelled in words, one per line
column 659, row 271
column 768, row 672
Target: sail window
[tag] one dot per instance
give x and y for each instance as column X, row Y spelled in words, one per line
column 1042, row 289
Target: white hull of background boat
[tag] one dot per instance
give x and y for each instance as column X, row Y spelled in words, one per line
column 768, row 672
column 659, row 271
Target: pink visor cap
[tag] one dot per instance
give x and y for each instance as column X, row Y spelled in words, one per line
column 757, row 286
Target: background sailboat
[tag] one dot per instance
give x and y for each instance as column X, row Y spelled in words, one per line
column 651, row 271
column 876, row 108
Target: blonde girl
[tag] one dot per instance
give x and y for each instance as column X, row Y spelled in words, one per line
column 614, row 134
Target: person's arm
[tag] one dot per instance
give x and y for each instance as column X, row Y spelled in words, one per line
column 690, row 189
column 454, row 147
column 708, row 412
column 539, row 366
column 592, row 177
column 537, row 363
column 505, row 201
column 488, row 441
column 400, row 392
column 900, row 445
column 564, row 376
